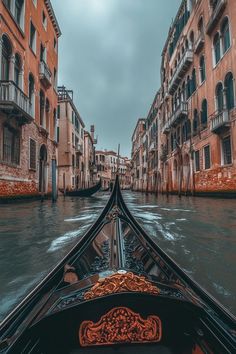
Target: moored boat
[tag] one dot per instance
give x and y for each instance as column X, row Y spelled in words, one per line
column 83, row 192
column 117, row 291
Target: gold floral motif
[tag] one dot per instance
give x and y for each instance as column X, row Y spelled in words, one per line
column 120, row 325
column 117, row 283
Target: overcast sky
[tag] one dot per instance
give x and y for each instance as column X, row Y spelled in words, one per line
column 110, row 55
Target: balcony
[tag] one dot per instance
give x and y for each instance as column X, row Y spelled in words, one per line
column 215, row 16
column 180, row 70
column 220, row 122
column 181, row 111
column 199, row 43
column 45, row 74
column 14, row 102
column 79, row 148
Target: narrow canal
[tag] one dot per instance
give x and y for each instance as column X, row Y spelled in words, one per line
column 198, row 233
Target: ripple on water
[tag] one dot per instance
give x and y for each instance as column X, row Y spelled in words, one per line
column 66, row 238
column 80, row 218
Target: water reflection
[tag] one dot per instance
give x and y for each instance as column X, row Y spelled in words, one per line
column 198, row 233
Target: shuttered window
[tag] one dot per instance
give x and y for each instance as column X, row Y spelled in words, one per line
column 207, row 159
column 32, row 164
column 227, row 156
column 197, row 161
column 11, row 146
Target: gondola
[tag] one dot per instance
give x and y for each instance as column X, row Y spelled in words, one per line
column 118, row 292
column 86, row 192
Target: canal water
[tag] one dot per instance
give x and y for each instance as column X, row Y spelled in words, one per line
column 198, row 233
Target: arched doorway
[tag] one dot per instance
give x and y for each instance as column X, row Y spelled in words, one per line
column 42, row 169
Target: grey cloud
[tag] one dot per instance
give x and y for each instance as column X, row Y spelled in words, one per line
column 110, row 54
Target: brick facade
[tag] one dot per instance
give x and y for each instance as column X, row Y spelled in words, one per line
column 28, row 97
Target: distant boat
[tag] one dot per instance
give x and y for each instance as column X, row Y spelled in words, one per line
column 118, row 292
column 85, row 192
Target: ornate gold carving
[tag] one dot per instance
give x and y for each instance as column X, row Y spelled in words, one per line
column 117, row 283
column 120, row 325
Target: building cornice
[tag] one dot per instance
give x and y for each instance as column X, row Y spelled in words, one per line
column 53, row 17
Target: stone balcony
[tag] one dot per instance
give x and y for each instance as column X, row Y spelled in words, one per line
column 79, row 148
column 180, row 70
column 220, row 121
column 215, row 16
column 14, row 102
column 180, row 112
column 45, row 74
column 199, row 43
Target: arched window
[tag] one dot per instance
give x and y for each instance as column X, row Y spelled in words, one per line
column 18, row 10
column 216, row 45
column 188, row 129
column 188, row 87
column 17, row 69
column 229, row 89
column 194, row 81
column 192, row 39
column 204, row 114
column 184, row 137
column 172, row 142
column 6, row 55
column 219, row 97
column 225, row 35
column 186, row 44
column 202, row 69
column 195, row 122
column 42, row 107
column 201, row 26
column 31, row 92
column 47, row 110
column 183, row 92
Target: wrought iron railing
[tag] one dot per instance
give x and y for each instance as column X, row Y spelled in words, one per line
column 186, row 58
column 45, row 72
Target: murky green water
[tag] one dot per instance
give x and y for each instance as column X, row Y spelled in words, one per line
column 198, row 233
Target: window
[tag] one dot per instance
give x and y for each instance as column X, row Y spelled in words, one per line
column 226, row 147
column 207, row 161
column 42, row 107
column 58, row 111
column 55, row 44
column 217, row 51
column 18, row 11
column 219, row 97
column 32, row 37
column 225, row 35
column 73, row 160
column 202, row 69
column 43, row 53
column 44, row 19
column 194, row 82
column 6, row 56
column 17, row 70
column 55, row 79
column 188, row 87
column 204, row 114
column 32, row 162
column 11, row 145
column 229, row 90
column 58, row 134
column 197, row 160
column 195, row 122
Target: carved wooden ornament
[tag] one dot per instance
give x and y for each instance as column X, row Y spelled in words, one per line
column 120, row 325
column 119, row 283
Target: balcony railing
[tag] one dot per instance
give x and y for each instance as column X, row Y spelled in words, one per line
column 199, row 43
column 79, row 148
column 215, row 16
column 45, row 74
column 180, row 111
column 220, row 121
column 14, row 101
column 180, row 70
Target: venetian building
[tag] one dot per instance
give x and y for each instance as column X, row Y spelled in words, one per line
column 198, row 133
column 103, row 168
column 138, row 138
column 152, row 135
column 29, row 34
column 70, row 142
